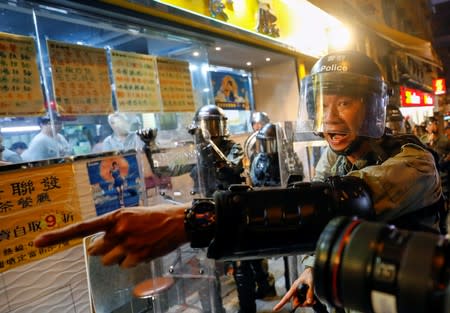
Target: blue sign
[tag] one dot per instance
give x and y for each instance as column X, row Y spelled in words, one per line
column 231, row 91
column 115, row 182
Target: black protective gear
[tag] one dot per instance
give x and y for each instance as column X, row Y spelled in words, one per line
column 265, row 170
column 252, row 282
column 213, row 172
column 275, row 221
column 245, row 284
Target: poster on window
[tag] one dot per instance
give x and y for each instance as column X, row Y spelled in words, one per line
column 20, row 84
column 134, row 75
column 32, row 202
column 231, row 91
column 80, row 79
column 115, row 182
column 175, row 85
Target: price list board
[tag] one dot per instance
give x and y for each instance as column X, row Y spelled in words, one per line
column 135, row 79
column 175, row 85
column 80, row 78
column 34, row 201
column 19, row 76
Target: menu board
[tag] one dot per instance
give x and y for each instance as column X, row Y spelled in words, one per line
column 175, row 84
column 34, row 201
column 19, row 76
column 135, row 79
column 80, row 78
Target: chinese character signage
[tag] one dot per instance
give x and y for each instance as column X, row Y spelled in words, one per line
column 288, row 22
column 175, row 85
column 439, row 87
column 135, row 78
column 115, row 183
column 31, row 202
column 231, row 91
column 80, row 78
column 415, row 98
column 19, row 76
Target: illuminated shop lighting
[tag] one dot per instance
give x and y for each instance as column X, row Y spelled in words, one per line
column 339, row 37
column 218, row 48
column 133, row 31
column 195, row 53
column 19, row 129
column 248, row 63
column 53, row 9
column 267, row 59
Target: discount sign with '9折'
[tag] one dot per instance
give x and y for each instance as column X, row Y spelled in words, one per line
column 34, row 201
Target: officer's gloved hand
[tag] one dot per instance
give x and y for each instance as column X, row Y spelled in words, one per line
column 224, row 172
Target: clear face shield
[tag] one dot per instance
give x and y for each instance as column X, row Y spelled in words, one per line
column 266, row 144
column 275, row 160
column 291, row 168
column 342, row 105
column 213, row 127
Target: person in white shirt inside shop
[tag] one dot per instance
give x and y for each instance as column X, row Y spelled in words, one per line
column 48, row 143
column 122, row 137
column 7, row 156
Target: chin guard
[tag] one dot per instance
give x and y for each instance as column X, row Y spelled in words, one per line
column 269, row 221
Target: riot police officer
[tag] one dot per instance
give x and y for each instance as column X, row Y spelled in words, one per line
column 252, row 277
column 220, row 159
column 345, row 97
column 219, row 164
column 257, row 121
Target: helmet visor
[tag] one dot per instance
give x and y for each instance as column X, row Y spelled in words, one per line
column 266, row 145
column 342, row 103
column 214, row 127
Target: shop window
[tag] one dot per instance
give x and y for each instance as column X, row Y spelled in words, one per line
column 60, row 26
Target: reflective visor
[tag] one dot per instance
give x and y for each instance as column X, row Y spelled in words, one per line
column 342, row 103
column 214, row 127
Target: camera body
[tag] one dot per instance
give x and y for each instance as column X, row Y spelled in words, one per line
column 360, row 264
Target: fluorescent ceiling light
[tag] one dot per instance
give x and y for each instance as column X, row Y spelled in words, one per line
column 19, row 129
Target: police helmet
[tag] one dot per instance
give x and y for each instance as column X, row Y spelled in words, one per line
column 393, row 114
column 266, row 139
column 259, row 117
column 211, row 120
column 349, row 74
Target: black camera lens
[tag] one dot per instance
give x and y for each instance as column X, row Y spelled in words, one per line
column 375, row 267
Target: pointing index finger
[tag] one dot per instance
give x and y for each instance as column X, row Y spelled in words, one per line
column 77, row 230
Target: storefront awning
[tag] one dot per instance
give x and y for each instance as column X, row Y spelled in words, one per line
column 411, row 45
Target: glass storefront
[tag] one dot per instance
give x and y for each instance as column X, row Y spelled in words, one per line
column 55, row 28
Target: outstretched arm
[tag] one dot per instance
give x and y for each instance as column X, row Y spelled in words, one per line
column 130, row 236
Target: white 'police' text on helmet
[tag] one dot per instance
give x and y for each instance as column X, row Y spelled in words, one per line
column 347, row 73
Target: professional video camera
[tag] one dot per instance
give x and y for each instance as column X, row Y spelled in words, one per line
column 360, row 264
